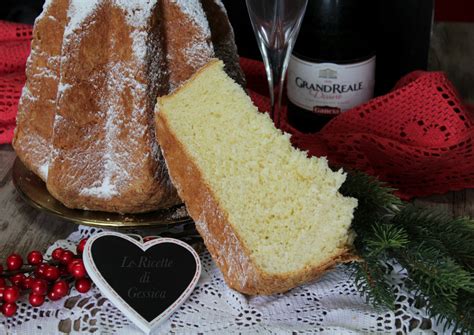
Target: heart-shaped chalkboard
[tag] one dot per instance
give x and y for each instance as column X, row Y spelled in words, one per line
column 146, row 281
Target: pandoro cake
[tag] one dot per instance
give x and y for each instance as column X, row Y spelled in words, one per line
column 271, row 217
column 85, row 119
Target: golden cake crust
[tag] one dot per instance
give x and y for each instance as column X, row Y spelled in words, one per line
column 87, row 128
column 105, row 155
column 37, row 106
column 225, row 246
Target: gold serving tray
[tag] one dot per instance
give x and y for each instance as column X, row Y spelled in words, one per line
column 33, row 190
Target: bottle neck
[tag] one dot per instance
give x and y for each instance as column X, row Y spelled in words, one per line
column 337, row 31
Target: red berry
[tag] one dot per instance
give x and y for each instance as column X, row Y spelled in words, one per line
column 77, row 269
column 41, row 270
column 36, row 299
column 53, row 296
column 61, row 288
column 14, row 262
column 39, row 286
column 27, row 283
column 51, row 273
column 57, row 253
column 9, row 309
column 71, row 265
column 83, row 285
column 17, row 279
column 2, row 289
column 35, row 258
column 63, row 270
column 66, row 257
column 81, row 245
column 3, row 283
column 11, row 294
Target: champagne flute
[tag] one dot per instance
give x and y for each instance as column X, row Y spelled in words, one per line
column 276, row 24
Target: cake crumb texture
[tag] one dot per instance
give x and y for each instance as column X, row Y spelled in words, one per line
column 271, row 217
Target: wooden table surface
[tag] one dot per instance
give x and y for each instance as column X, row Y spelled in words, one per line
column 23, row 228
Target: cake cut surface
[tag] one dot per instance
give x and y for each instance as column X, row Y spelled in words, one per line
column 85, row 122
column 271, row 217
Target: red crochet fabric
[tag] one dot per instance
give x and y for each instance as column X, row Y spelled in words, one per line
column 418, row 138
column 14, row 49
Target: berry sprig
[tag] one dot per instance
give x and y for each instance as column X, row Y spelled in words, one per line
column 42, row 279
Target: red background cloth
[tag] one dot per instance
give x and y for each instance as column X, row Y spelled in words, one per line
column 14, row 49
column 418, row 138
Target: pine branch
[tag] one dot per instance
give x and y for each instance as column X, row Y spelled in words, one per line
column 436, row 250
column 370, row 277
column 465, row 310
column 454, row 237
column 386, row 238
column 375, row 198
column 371, row 192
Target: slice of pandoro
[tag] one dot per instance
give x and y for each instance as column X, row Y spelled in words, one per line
column 271, row 217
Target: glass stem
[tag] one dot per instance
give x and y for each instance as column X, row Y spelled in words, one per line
column 279, row 72
column 276, row 24
column 276, row 59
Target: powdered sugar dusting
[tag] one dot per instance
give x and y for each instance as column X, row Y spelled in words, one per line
column 46, row 6
column 193, row 9
column 26, row 94
column 180, row 213
column 139, row 44
column 79, row 10
column 116, row 159
column 39, row 152
column 33, row 145
column 137, row 12
column 43, row 170
column 198, row 54
column 107, row 188
column 62, row 87
column 198, row 49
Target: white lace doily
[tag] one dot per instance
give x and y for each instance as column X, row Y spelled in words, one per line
column 330, row 305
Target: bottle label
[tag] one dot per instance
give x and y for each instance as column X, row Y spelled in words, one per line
column 326, row 88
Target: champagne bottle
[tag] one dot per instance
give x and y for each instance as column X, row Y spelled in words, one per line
column 332, row 68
